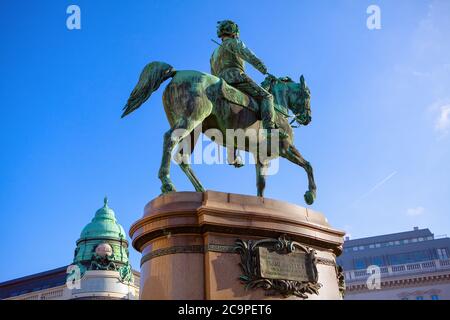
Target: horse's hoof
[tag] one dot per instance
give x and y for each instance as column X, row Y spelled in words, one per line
column 237, row 163
column 309, row 197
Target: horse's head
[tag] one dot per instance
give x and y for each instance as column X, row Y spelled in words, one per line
column 299, row 102
column 295, row 96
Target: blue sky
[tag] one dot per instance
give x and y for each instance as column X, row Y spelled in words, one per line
column 379, row 140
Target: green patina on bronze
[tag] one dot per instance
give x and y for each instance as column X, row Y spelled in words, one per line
column 228, row 62
column 194, row 99
column 104, row 231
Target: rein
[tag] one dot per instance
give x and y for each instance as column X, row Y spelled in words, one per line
column 289, row 116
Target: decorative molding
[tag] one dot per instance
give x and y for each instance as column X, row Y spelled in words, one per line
column 54, row 293
column 401, row 283
column 187, row 249
column 111, row 239
column 341, row 280
column 212, row 247
column 326, row 261
column 406, row 294
column 224, row 248
column 172, row 250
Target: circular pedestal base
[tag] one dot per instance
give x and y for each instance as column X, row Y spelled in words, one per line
column 188, row 246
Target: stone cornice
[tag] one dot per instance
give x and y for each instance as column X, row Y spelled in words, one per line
column 211, row 211
column 406, row 281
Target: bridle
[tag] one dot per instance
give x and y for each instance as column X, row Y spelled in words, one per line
column 295, row 116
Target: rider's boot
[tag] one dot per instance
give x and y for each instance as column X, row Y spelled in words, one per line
column 268, row 115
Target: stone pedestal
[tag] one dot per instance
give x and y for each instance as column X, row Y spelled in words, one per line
column 188, row 244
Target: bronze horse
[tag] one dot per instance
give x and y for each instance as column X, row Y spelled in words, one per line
column 195, row 100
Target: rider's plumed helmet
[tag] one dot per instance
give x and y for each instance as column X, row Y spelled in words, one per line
column 227, row 28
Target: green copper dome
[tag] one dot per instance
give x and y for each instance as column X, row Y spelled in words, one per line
column 103, row 225
column 103, row 245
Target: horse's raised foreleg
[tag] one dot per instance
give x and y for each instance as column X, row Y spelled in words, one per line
column 171, row 138
column 261, row 177
column 292, row 154
column 183, row 155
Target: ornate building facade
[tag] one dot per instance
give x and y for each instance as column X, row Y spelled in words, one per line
column 412, row 265
column 100, row 268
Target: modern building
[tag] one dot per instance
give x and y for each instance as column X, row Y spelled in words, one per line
column 411, row 265
column 100, row 268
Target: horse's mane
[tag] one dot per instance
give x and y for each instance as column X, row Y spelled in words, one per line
column 270, row 81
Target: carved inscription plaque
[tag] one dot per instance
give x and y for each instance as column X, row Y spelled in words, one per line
column 279, row 266
column 293, row 266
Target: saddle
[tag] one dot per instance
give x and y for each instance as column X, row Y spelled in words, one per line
column 235, row 96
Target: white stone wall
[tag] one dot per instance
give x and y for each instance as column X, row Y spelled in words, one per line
column 55, row 293
column 104, row 284
column 94, row 285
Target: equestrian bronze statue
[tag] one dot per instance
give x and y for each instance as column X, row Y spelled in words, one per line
column 196, row 102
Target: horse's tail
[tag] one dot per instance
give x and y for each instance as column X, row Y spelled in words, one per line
column 150, row 79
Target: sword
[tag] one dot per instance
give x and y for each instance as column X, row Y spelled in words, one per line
column 220, row 45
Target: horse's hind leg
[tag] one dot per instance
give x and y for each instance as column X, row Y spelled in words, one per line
column 292, row 154
column 171, row 138
column 183, row 154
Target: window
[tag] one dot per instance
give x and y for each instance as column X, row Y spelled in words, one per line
column 360, row 264
column 419, row 298
column 409, row 257
column 371, row 246
column 434, row 297
column 420, row 239
column 355, row 248
column 430, row 238
column 377, row 245
column 414, row 240
column 378, row 261
column 442, row 253
column 391, row 243
column 406, row 241
column 397, row 243
column 361, row 248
